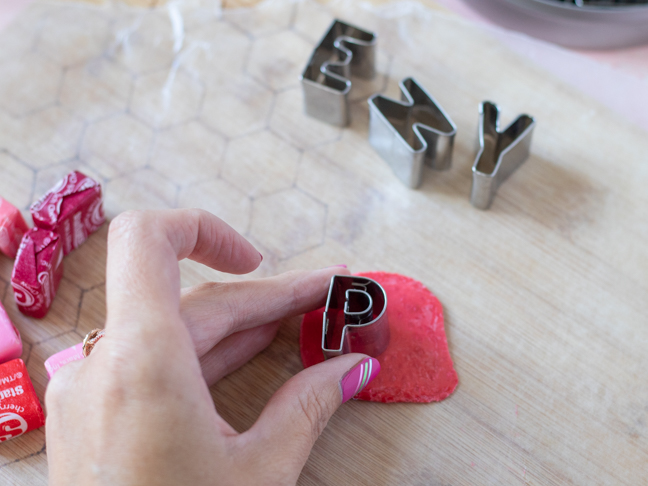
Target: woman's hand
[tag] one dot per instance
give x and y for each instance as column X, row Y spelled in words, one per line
column 138, row 409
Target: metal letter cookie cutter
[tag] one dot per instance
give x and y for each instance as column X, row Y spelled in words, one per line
column 344, row 50
column 355, row 318
column 411, row 132
column 500, row 153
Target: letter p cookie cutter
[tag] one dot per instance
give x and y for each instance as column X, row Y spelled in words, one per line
column 411, row 132
column 355, row 318
column 500, row 153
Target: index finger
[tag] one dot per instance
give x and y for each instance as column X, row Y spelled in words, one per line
column 143, row 277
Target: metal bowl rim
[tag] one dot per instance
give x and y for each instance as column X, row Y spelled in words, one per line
column 588, row 8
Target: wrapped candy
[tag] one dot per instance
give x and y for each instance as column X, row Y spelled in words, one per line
column 12, row 228
column 37, row 272
column 73, row 208
column 20, row 410
column 56, row 361
column 10, row 343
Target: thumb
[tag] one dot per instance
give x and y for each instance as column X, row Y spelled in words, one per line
column 297, row 413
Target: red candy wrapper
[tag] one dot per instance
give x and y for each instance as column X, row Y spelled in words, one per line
column 20, row 410
column 12, row 228
column 72, row 208
column 37, row 272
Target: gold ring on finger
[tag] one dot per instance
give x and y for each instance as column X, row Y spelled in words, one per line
column 91, row 339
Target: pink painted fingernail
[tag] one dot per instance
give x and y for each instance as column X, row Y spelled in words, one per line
column 56, row 361
column 261, row 256
column 339, row 265
column 360, row 376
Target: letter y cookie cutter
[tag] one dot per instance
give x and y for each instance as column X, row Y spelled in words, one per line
column 411, row 132
column 355, row 318
column 500, row 153
column 344, row 50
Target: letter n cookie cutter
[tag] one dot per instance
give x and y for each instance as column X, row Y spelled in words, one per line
column 500, row 153
column 411, row 132
column 355, row 318
column 344, row 50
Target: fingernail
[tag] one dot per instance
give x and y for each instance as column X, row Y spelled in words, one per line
column 261, row 256
column 339, row 265
column 359, row 377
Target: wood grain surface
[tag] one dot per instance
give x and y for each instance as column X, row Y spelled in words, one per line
column 545, row 294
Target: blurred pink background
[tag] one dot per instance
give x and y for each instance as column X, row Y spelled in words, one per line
column 617, row 78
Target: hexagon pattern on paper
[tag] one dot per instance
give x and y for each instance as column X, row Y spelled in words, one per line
column 261, row 164
column 96, row 89
column 166, row 98
column 247, row 100
column 299, row 217
column 214, row 65
column 45, row 137
column 72, row 36
column 188, row 153
column 28, row 83
column 116, row 144
column 221, row 198
column 166, row 107
column 277, row 60
column 290, row 122
column 15, row 176
column 142, row 42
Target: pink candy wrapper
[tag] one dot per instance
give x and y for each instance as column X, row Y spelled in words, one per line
column 12, row 228
column 37, row 272
column 56, row 361
column 73, row 209
column 10, row 343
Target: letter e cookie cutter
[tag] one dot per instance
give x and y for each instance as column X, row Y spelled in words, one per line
column 355, row 318
column 344, row 50
column 411, row 132
column 500, row 152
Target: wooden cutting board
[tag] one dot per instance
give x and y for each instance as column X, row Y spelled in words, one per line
column 545, row 294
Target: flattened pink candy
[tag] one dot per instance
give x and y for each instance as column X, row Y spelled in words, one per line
column 416, row 366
